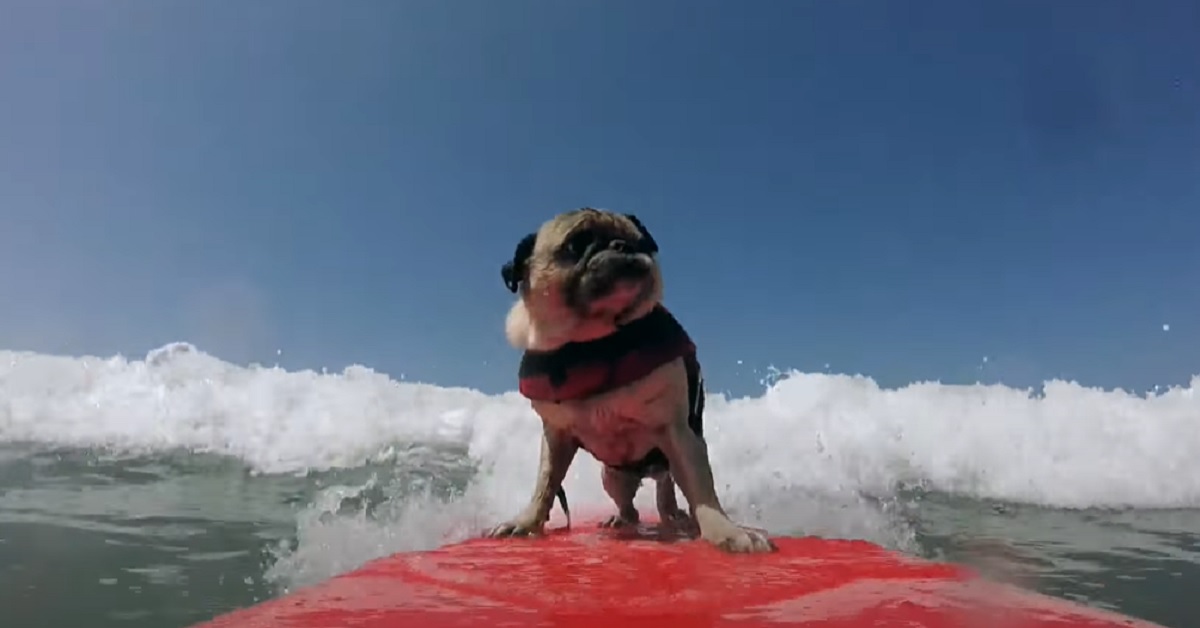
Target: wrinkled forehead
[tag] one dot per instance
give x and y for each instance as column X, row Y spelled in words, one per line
column 555, row 231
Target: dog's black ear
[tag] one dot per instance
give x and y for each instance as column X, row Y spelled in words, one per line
column 647, row 239
column 513, row 271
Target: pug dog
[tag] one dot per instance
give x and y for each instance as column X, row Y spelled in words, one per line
column 609, row 370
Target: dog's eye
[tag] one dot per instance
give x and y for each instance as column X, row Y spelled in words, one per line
column 578, row 244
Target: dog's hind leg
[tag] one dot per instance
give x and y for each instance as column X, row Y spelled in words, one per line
column 622, row 487
column 664, row 498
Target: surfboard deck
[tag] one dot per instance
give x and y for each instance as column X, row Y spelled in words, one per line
column 644, row 577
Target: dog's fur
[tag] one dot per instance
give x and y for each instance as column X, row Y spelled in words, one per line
column 570, row 293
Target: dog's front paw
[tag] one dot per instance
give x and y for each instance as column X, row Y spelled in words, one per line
column 521, row 526
column 733, row 538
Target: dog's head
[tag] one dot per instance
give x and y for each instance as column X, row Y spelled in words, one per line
column 582, row 271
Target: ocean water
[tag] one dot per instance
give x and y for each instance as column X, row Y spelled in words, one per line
column 160, row 492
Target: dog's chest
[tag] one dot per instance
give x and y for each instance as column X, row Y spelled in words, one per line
column 623, row 425
column 617, row 430
column 612, row 436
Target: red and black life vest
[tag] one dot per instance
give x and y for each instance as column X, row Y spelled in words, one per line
column 578, row 370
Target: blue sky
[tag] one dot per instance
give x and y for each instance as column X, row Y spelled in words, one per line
column 891, row 191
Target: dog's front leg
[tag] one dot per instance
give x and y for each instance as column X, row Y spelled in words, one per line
column 690, row 467
column 558, row 450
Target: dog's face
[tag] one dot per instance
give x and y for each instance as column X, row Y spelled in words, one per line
column 585, row 266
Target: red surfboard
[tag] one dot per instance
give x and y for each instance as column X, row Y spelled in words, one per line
column 592, row 578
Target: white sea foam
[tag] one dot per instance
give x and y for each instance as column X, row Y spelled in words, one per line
column 810, row 445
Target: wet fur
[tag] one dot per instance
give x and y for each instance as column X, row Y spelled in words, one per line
column 622, row 424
